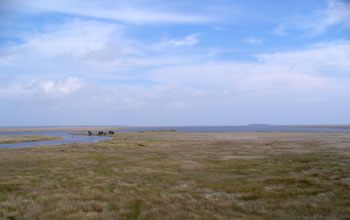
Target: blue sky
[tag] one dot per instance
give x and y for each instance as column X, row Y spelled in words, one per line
column 149, row 63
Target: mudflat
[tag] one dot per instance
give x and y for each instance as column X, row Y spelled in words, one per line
column 177, row 175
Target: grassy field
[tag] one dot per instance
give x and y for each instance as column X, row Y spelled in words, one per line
column 8, row 139
column 175, row 175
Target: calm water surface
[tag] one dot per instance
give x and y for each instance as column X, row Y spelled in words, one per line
column 68, row 138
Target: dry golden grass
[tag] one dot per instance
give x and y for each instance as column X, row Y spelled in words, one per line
column 175, row 175
column 8, row 139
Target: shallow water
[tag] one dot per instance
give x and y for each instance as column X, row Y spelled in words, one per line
column 68, row 138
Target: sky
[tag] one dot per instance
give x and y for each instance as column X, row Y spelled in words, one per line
column 174, row 63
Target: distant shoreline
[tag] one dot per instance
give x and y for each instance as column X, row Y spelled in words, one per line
column 319, row 126
column 68, row 128
column 240, row 128
column 11, row 139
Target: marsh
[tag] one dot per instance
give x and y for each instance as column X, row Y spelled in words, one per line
column 179, row 175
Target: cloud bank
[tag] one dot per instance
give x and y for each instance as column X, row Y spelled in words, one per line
column 128, row 64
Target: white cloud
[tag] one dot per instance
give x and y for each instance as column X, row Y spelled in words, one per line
column 75, row 39
column 42, row 89
column 102, row 50
column 312, row 70
column 71, row 92
column 322, row 58
column 78, row 39
column 312, row 75
column 336, row 13
column 252, row 40
column 263, row 79
column 94, row 47
column 98, row 65
column 294, row 72
column 125, row 11
column 65, row 87
column 187, row 41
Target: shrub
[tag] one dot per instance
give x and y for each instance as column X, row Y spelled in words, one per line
column 110, row 132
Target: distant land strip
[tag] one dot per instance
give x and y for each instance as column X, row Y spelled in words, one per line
column 321, row 126
column 71, row 128
column 10, row 139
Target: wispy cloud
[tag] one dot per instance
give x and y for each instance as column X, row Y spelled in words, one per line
column 220, row 28
column 291, row 72
column 336, row 13
column 123, row 11
column 189, row 40
column 299, row 76
column 72, row 92
column 253, row 40
column 75, row 38
column 46, row 92
column 101, row 46
column 108, row 57
column 102, row 51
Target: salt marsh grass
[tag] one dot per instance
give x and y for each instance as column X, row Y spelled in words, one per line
column 176, row 175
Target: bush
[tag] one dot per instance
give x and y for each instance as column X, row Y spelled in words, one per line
column 110, row 132
column 90, row 133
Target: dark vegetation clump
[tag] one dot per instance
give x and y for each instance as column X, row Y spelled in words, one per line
column 90, row 133
column 110, row 132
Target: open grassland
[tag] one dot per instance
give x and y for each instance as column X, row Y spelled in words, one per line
column 175, row 175
column 8, row 139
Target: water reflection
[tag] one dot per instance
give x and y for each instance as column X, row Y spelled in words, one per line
column 67, row 138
